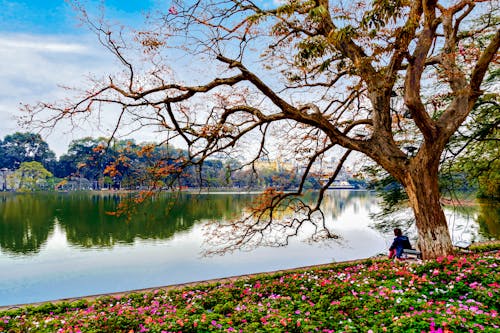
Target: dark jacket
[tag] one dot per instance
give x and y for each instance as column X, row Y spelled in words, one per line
column 400, row 243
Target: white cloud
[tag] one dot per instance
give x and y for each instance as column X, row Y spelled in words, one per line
column 32, row 68
column 28, row 42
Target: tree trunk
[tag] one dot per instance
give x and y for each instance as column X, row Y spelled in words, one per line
column 421, row 185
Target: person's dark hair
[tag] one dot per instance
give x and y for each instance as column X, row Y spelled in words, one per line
column 397, row 232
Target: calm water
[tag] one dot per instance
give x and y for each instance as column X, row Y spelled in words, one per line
column 65, row 245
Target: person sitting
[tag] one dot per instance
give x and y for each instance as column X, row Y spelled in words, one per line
column 399, row 244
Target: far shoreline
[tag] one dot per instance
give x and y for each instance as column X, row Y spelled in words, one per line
column 188, row 190
column 445, row 201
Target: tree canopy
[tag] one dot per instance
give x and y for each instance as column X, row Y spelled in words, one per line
column 475, row 148
column 25, row 147
column 392, row 80
column 30, row 176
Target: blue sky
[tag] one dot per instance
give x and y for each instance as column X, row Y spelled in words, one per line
column 57, row 16
column 43, row 45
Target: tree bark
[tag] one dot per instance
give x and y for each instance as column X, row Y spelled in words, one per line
column 421, row 185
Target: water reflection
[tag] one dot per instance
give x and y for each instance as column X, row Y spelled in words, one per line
column 43, row 235
column 335, row 202
column 489, row 219
column 27, row 220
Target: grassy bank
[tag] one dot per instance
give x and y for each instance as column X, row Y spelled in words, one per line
column 453, row 294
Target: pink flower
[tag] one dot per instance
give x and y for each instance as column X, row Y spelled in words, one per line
column 172, row 10
column 473, row 285
column 461, row 49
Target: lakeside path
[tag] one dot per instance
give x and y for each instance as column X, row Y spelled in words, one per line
column 453, row 294
column 199, row 283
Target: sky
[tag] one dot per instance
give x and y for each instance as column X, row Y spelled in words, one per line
column 43, row 46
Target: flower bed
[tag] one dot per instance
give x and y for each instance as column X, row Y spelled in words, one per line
column 452, row 294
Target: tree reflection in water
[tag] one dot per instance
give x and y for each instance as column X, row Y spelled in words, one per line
column 27, row 220
column 489, row 219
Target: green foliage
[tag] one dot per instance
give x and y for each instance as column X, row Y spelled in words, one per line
column 25, row 147
column 310, row 49
column 342, row 34
column 383, row 12
column 31, row 176
column 318, row 13
column 256, row 18
column 395, row 200
column 391, row 192
column 485, row 247
column 86, row 157
column 479, row 146
column 287, row 9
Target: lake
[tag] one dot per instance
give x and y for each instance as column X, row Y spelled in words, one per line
column 61, row 245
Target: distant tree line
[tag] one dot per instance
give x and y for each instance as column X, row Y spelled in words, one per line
column 100, row 163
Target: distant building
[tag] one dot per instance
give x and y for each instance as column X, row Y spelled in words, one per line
column 4, row 174
column 277, row 165
column 76, row 184
column 264, row 164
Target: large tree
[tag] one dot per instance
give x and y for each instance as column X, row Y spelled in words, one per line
column 86, row 157
column 25, row 147
column 29, row 177
column 365, row 76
